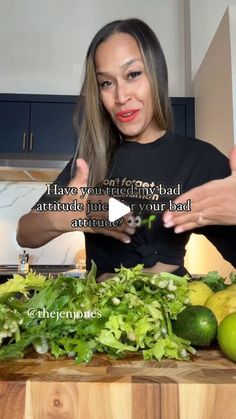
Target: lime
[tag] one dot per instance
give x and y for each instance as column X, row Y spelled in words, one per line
column 227, row 336
column 199, row 292
column 222, row 303
column 197, row 324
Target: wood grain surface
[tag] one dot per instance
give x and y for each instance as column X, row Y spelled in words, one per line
column 130, row 388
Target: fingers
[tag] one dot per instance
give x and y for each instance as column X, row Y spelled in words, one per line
column 201, row 198
column 200, row 201
column 128, row 224
column 172, row 218
column 190, row 221
column 186, row 226
column 114, row 233
column 197, row 194
column 125, row 226
column 81, row 174
column 184, row 221
column 129, row 230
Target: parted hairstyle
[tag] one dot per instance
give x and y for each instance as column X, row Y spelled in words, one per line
column 98, row 137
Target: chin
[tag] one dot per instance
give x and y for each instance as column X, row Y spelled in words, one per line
column 130, row 134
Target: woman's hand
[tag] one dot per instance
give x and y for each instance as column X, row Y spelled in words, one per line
column 211, row 203
column 122, row 232
column 38, row 228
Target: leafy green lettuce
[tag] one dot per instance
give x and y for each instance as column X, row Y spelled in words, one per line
column 130, row 312
column 216, row 282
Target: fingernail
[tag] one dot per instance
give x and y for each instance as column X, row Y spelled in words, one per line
column 178, row 230
column 167, row 218
column 168, row 224
column 126, row 241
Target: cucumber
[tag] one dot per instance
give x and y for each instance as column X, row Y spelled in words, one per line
column 197, row 324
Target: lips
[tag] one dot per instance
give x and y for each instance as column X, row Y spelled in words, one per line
column 127, row 115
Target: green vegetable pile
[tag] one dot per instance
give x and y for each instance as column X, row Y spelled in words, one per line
column 76, row 317
column 217, row 282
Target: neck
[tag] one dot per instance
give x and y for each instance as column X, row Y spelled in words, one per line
column 148, row 139
column 152, row 138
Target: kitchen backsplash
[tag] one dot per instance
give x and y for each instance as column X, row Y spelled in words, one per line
column 17, row 198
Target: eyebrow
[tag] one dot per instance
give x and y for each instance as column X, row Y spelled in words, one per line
column 125, row 65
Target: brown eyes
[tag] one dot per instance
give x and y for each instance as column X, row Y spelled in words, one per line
column 106, row 84
column 134, row 74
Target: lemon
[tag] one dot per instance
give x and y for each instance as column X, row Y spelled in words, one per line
column 199, row 292
column 232, row 288
column 222, row 303
column 227, row 336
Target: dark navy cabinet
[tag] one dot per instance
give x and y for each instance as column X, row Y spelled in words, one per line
column 183, row 116
column 14, row 126
column 51, row 128
column 34, row 125
column 37, row 124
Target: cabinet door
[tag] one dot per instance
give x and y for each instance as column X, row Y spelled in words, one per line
column 14, row 127
column 183, row 116
column 51, row 128
column 179, row 119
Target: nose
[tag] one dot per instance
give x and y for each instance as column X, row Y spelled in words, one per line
column 122, row 93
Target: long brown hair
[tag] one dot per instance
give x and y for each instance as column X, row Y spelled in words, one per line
column 98, row 137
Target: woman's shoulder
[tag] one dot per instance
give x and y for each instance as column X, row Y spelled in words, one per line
column 191, row 141
column 196, row 146
column 177, row 145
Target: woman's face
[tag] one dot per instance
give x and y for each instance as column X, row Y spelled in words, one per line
column 125, row 89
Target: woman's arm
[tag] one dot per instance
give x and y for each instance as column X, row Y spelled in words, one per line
column 37, row 228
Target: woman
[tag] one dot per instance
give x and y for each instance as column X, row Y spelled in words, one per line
column 125, row 136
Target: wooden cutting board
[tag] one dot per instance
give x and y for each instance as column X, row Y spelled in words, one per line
column 130, row 388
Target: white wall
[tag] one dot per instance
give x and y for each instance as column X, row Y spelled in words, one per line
column 213, row 91
column 43, row 43
column 214, row 109
column 205, row 17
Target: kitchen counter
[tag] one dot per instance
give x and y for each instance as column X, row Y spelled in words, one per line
column 9, row 270
column 130, row 388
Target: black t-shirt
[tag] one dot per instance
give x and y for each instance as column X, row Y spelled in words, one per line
column 172, row 162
